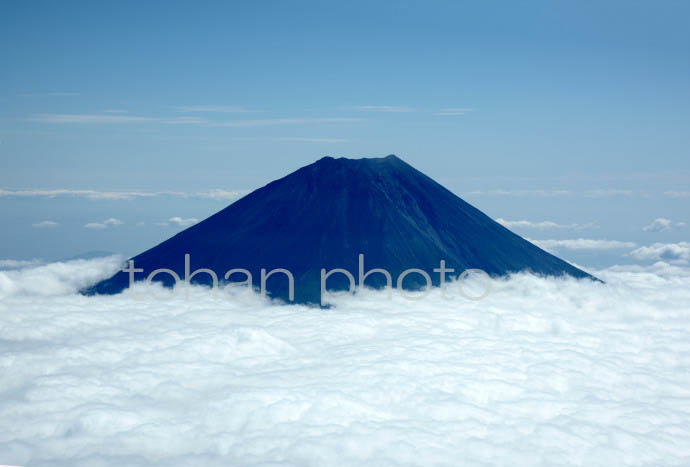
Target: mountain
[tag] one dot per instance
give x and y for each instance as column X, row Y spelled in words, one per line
column 327, row 213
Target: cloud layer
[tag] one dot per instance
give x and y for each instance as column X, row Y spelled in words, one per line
column 541, row 372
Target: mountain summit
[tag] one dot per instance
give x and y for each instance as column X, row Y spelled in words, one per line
column 325, row 215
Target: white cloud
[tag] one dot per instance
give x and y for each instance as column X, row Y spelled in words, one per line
column 541, row 371
column 662, row 224
column 45, row 224
column 543, row 225
column 529, row 224
column 382, row 108
column 180, row 222
column 49, row 280
column 582, row 244
column 671, row 252
column 121, row 195
column 454, row 111
column 105, row 224
column 658, row 225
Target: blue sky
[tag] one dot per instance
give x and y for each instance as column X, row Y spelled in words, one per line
column 575, row 113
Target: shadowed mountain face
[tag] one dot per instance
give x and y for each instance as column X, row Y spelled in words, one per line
column 327, row 213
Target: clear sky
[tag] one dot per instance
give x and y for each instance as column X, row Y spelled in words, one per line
column 575, row 113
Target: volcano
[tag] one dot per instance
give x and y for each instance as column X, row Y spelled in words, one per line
column 325, row 215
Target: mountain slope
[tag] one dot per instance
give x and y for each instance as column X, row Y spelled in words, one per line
column 325, row 214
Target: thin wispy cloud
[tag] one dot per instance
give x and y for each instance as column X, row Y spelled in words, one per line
column 381, row 108
column 109, row 119
column 114, row 119
column 594, row 193
column 45, row 225
column 677, row 194
column 312, row 140
column 89, row 194
column 600, row 193
column 543, row 225
column 18, row 264
column 49, row 94
column 217, row 194
column 539, row 193
column 112, row 222
column 214, row 109
column 115, row 111
column 581, row 244
column 285, row 121
column 454, row 111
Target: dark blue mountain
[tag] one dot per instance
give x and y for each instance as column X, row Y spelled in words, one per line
column 327, row 213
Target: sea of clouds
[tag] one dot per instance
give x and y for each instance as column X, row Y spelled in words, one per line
column 540, row 372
